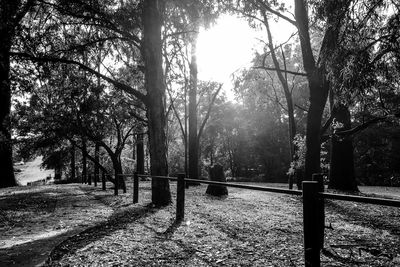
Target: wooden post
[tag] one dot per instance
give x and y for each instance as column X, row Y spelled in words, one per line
column 95, row 179
column 310, row 224
column 318, row 177
column 116, row 185
column 103, row 181
column 135, row 188
column 186, row 183
column 291, row 181
column 123, row 184
column 89, row 179
column 180, row 198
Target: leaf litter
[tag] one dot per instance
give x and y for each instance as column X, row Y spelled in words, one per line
column 245, row 229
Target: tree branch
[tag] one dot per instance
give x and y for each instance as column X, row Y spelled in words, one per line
column 89, row 156
column 117, row 84
column 300, row 107
column 277, row 13
column 284, row 71
column 208, row 113
column 327, row 124
column 176, row 114
column 359, row 128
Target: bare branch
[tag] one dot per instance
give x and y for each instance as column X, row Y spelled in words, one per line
column 277, row 13
column 74, row 143
column 176, row 114
column 300, row 107
column 208, row 113
column 284, row 71
column 327, row 124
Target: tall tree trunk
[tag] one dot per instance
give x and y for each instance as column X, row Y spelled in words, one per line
column 152, row 18
column 285, row 86
column 117, row 166
column 73, row 163
column 84, row 160
column 7, row 170
column 318, row 98
column 97, row 158
column 140, row 154
column 193, row 140
column 57, row 172
column 318, row 93
column 97, row 93
column 8, row 10
column 185, row 134
column 316, row 74
column 341, row 173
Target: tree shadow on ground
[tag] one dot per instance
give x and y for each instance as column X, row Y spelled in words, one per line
column 167, row 234
column 34, row 253
column 17, row 209
column 353, row 213
column 41, row 200
column 119, row 220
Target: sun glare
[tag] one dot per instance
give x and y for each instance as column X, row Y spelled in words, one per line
column 229, row 46
column 224, row 48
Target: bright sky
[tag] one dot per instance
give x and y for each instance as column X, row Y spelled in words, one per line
column 230, row 45
column 224, row 48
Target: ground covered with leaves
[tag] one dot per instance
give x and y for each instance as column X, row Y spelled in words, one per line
column 247, row 228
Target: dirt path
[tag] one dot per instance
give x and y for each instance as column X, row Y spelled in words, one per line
column 35, row 219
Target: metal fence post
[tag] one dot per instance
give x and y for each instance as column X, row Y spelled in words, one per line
column 135, row 188
column 318, row 177
column 103, row 181
column 180, row 198
column 116, row 185
column 310, row 224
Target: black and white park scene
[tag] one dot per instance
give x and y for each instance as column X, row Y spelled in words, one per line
column 200, row 133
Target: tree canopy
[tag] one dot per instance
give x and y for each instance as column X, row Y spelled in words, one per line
column 101, row 75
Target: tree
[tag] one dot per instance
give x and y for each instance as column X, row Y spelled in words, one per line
column 261, row 137
column 316, row 73
column 60, row 108
column 152, row 18
column 196, row 13
column 193, row 142
column 368, row 69
column 11, row 13
column 341, row 172
column 256, row 12
column 186, row 18
column 118, row 32
column 72, row 163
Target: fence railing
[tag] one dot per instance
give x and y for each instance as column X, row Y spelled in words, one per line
column 313, row 205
